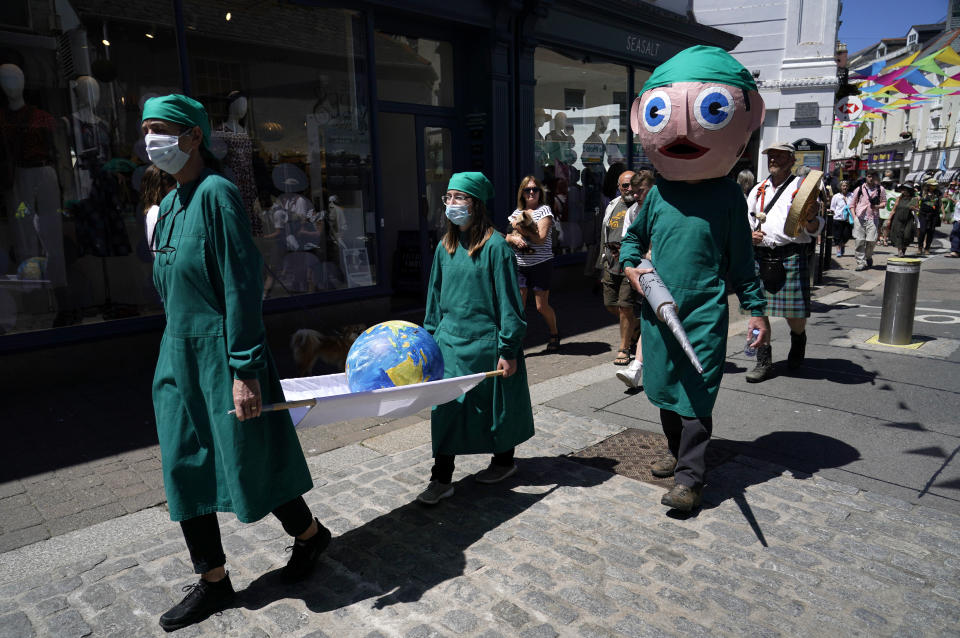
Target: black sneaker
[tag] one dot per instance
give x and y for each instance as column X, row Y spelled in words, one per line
column 305, row 554
column 202, row 600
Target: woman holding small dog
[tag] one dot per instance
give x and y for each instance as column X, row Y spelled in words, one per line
column 475, row 313
column 213, row 357
column 534, row 250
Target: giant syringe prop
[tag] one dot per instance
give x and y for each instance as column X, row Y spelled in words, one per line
column 663, row 305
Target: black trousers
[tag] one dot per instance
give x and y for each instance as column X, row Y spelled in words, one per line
column 442, row 471
column 202, row 533
column 928, row 226
column 687, row 438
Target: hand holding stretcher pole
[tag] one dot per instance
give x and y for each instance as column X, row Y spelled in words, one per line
column 664, row 306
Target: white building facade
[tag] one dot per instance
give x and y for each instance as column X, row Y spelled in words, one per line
column 789, row 46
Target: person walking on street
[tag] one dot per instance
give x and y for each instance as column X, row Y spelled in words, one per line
column 782, row 260
column 617, row 293
column 903, row 221
column 213, row 357
column 475, row 313
column 642, row 182
column 535, row 254
column 867, row 200
column 840, row 206
column 929, row 216
column 955, row 234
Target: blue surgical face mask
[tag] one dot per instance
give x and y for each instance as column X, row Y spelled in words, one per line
column 164, row 151
column 458, row 214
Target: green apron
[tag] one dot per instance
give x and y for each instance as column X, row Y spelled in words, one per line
column 698, row 235
column 208, row 273
column 475, row 313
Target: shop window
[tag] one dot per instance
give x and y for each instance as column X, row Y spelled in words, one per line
column 290, row 120
column 639, row 158
column 580, row 142
column 291, row 128
column 413, row 70
column 72, row 241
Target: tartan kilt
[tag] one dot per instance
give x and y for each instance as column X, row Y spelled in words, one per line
column 793, row 299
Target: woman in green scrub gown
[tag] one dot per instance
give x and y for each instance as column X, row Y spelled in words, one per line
column 475, row 312
column 214, row 357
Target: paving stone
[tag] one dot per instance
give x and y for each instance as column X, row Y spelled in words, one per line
column 99, row 596
column 511, row 614
column 105, row 569
column 286, row 617
column 16, row 625
column 69, row 624
column 636, row 627
column 681, row 600
column 540, row 631
column 56, row 588
column 424, row 631
column 459, row 621
column 547, row 605
column 666, row 555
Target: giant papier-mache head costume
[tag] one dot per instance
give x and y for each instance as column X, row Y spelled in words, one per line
column 695, row 114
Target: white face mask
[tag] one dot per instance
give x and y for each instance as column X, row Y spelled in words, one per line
column 164, row 151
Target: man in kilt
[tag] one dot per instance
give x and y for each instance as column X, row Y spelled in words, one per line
column 783, row 261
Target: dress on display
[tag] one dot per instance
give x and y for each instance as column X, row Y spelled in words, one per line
column 239, row 159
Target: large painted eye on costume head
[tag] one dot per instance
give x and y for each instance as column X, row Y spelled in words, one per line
column 714, row 108
column 656, row 111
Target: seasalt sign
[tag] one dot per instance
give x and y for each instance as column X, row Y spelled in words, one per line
column 643, row 46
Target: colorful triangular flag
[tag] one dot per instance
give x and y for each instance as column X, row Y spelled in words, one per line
column 917, row 78
column 904, row 62
column 948, row 56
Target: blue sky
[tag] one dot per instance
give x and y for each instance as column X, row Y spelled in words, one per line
column 864, row 22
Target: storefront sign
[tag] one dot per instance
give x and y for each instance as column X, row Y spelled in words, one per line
column 886, row 156
column 849, row 164
column 644, row 46
column 935, row 136
column 848, row 108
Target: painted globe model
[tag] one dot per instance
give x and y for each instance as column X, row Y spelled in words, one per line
column 393, row 353
column 32, row 268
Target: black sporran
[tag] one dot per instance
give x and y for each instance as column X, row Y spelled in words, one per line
column 772, row 273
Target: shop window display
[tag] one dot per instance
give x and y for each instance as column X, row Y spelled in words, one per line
column 581, row 133
column 72, row 236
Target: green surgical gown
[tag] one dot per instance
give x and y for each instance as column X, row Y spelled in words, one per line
column 475, row 313
column 698, row 235
column 208, row 273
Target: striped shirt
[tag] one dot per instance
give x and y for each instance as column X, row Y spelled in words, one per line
column 541, row 252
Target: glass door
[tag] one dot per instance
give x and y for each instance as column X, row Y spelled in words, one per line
column 417, row 154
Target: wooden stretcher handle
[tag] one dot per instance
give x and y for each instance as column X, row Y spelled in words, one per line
column 286, row 405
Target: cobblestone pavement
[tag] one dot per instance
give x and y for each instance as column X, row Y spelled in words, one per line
column 561, row 549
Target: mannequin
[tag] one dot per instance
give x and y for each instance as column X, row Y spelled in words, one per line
column 593, row 149
column 615, row 147
column 239, row 157
column 31, row 187
column 90, row 133
column 559, row 145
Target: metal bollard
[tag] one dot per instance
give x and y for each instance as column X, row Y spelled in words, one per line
column 899, row 301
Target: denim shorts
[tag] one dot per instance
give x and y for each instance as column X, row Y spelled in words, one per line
column 536, row 276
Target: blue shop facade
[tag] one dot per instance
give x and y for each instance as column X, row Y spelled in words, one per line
column 339, row 122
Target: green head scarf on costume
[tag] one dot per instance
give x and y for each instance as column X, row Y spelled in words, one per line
column 473, row 183
column 701, row 64
column 178, row 109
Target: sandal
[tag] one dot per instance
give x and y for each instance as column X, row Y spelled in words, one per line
column 554, row 344
column 623, row 358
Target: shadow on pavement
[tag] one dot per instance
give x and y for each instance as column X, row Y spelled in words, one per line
column 803, row 453
column 399, row 556
column 841, row 371
column 575, row 349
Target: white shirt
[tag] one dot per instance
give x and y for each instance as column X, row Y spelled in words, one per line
column 777, row 216
column 151, row 224
column 541, row 252
column 838, row 202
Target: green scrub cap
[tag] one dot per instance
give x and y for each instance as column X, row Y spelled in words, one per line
column 178, row 109
column 701, row 64
column 474, row 183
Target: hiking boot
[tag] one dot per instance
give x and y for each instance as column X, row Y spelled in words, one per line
column 632, row 374
column 304, row 555
column 434, row 492
column 664, row 467
column 682, row 498
column 764, row 368
column 203, row 599
column 495, row 473
column 798, row 349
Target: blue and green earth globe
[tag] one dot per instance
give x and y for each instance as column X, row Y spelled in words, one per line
column 393, row 353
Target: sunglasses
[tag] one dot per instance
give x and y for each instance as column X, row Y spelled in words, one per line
column 626, row 185
column 531, row 191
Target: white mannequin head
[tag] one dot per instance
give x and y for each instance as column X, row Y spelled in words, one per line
column 11, row 82
column 559, row 122
column 88, row 92
column 238, row 108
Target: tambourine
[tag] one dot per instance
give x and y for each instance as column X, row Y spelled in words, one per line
column 804, row 206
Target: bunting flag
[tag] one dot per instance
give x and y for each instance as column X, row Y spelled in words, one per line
column 868, row 72
column 891, row 77
column 948, row 56
column 904, row 62
column 949, row 82
column 910, row 107
column 905, row 87
column 936, row 92
column 869, row 102
column 917, row 78
column 900, row 102
column 929, row 64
